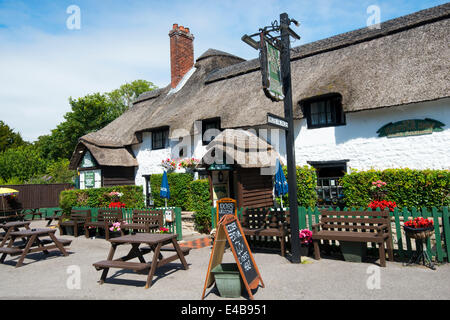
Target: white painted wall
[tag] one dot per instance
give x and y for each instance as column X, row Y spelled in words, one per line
column 357, row 141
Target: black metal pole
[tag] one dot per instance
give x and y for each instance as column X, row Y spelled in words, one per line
column 285, row 58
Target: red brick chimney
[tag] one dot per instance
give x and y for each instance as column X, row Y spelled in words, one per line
column 181, row 52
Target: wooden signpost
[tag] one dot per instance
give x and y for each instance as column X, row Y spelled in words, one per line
column 229, row 230
column 225, row 206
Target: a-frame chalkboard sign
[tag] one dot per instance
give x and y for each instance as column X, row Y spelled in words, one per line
column 230, row 230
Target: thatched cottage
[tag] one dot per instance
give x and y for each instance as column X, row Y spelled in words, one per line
column 369, row 98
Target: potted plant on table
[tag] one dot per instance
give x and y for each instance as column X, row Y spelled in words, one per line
column 305, row 236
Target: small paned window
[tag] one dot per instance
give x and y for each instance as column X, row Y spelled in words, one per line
column 324, row 112
column 208, row 125
column 160, row 139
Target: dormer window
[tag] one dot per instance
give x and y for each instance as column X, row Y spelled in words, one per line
column 160, row 139
column 210, row 129
column 324, row 111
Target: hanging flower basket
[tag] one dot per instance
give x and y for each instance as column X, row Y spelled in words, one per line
column 419, row 233
column 419, row 228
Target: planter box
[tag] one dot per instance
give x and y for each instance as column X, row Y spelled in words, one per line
column 228, row 280
column 353, row 251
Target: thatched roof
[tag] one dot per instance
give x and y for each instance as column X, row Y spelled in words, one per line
column 405, row 61
column 243, row 147
column 104, row 156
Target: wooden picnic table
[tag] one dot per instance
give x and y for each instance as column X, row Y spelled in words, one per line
column 11, row 227
column 34, row 238
column 55, row 216
column 34, row 212
column 155, row 243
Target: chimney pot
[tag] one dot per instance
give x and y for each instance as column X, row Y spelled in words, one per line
column 175, row 26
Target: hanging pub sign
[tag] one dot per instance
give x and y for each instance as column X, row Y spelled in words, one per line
column 271, row 70
column 230, row 231
column 413, row 127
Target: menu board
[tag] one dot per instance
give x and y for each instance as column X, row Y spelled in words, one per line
column 230, row 231
column 242, row 251
column 226, row 206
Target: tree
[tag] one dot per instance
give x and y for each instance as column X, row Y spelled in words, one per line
column 122, row 99
column 8, row 138
column 22, row 163
column 89, row 113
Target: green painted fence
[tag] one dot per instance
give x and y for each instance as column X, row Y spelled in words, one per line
column 174, row 227
column 437, row 246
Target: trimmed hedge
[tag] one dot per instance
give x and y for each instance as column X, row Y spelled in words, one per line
column 407, row 187
column 199, row 201
column 306, row 187
column 179, row 191
column 133, row 197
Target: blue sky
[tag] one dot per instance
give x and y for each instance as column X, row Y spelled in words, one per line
column 43, row 63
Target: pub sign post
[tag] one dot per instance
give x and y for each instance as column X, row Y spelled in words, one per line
column 269, row 46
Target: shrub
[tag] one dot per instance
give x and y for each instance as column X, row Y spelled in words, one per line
column 132, row 197
column 306, row 187
column 199, row 202
column 179, row 191
column 406, row 187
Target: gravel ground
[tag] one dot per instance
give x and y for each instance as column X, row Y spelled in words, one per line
column 52, row 277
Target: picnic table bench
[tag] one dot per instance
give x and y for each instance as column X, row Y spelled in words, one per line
column 155, row 243
column 355, row 226
column 34, row 239
column 105, row 219
column 145, row 220
column 11, row 227
column 266, row 222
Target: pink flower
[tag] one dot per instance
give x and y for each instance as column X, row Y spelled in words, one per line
column 379, row 185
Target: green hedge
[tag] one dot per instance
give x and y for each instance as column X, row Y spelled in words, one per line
column 407, row 187
column 133, row 197
column 306, row 187
column 199, row 202
column 179, row 191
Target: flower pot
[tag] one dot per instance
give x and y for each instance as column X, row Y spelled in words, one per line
column 228, row 280
column 305, row 250
column 353, row 251
column 114, row 234
column 68, row 230
column 92, row 232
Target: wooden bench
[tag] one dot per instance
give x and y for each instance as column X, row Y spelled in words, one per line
column 355, row 226
column 264, row 222
column 77, row 219
column 145, row 221
column 105, row 219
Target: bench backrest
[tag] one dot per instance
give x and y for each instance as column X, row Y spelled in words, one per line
column 81, row 215
column 152, row 217
column 110, row 215
column 366, row 221
column 256, row 218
